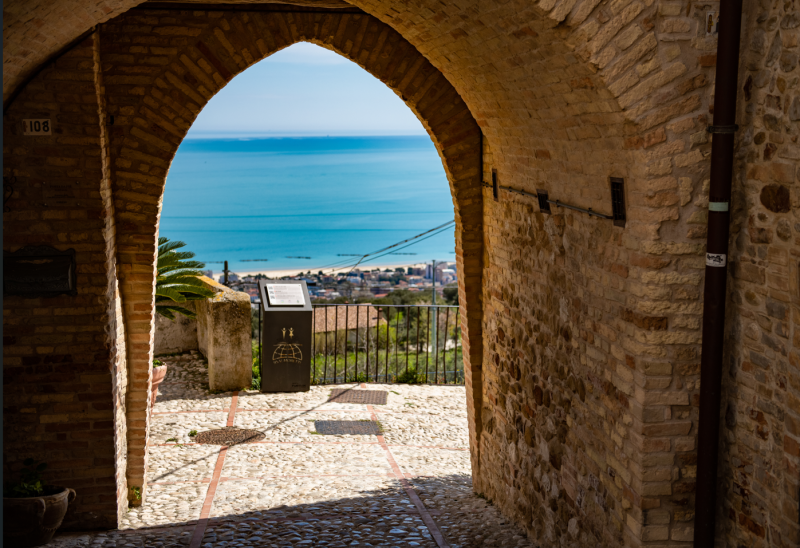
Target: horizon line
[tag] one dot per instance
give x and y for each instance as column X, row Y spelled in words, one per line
column 201, row 135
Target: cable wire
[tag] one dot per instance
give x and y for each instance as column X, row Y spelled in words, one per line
column 386, row 249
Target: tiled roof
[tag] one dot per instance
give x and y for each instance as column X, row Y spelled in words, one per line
column 347, row 317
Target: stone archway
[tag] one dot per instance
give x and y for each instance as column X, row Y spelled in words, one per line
column 588, row 347
column 156, row 89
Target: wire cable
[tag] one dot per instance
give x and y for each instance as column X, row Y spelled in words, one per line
column 362, row 257
column 409, row 245
column 387, row 248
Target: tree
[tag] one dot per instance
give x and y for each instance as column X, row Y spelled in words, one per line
column 177, row 279
column 450, row 294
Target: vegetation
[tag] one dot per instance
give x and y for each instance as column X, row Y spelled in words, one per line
column 30, row 481
column 157, row 363
column 254, row 322
column 177, row 279
column 421, row 368
column 356, row 355
column 255, row 384
column 192, row 433
column 410, row 377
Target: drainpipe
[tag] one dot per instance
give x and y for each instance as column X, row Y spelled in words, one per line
column 723, row 130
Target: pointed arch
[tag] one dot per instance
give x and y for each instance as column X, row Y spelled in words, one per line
column 159, row 76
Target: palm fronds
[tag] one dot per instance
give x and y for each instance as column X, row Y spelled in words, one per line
column 177, row 279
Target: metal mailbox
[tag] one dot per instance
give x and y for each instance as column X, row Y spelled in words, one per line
column 285, row 336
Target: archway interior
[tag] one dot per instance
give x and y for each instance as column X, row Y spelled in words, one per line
column 257, row 186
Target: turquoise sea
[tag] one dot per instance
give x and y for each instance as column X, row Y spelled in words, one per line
column 246, row 200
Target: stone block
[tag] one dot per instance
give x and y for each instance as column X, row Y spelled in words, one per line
column 224, row 337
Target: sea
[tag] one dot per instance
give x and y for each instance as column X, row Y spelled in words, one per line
column 308, row 203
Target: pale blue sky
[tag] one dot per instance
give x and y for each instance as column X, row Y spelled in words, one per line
column 305, row 90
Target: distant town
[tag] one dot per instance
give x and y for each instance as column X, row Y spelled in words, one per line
column 360, row 285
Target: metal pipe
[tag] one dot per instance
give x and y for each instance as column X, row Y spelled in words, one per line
column 427, row 344
column 366, row 338
column 366, row 374
column 727, row 75
column 386, row 354
column 396, row 338
column 335, row 342
column 582, row 210
column 556, row 203
column 408, row 337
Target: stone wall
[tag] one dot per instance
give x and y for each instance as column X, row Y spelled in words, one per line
column 582, row 338
column 760, row 450
column 221, row 331
column 177, row 335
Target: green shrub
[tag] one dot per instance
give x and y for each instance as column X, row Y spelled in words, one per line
column 30, row 481
column 360, row 377
column 410, row 377
column 177, row 280
column 255, row 384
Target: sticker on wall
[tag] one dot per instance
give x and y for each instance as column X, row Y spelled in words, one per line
column 712, row 23
column 41, row 126
column 716, row 259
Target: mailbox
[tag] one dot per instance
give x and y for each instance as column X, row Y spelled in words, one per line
column 285, row 336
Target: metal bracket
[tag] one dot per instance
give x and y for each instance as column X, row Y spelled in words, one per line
column 723, row 129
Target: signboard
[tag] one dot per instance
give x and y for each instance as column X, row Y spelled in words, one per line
column 34, row 126
column 39, row 271
column 280, row 294
column 286, row 336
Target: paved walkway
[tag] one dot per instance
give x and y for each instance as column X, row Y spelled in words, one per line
column 410, row 486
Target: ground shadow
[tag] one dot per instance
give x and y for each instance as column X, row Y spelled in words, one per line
column 382, row 516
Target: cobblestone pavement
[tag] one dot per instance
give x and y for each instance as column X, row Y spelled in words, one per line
column 410, row 486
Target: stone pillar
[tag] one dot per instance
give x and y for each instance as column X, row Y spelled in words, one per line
column 223, row 336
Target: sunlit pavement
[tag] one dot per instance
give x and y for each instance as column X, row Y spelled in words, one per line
column 409, row 486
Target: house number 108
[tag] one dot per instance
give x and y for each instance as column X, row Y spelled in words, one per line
column 36, row 127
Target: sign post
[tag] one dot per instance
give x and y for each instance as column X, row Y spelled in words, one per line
column 285, row 336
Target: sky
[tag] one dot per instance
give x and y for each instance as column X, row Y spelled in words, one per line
column 305, row 90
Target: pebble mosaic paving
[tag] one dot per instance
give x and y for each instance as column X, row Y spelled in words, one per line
column 410, row 486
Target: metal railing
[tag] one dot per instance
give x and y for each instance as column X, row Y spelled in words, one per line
column 385, row 343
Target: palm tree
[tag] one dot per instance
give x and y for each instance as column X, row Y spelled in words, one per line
column 177, row 279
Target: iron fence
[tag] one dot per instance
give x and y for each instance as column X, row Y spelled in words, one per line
column 385, row 343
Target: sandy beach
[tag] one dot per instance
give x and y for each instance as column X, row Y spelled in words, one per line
column 329, row 271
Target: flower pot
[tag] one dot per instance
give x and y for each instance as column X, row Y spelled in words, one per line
column 32, row 521
column 158, row 376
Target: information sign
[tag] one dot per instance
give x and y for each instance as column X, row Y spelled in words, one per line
column 285, row 294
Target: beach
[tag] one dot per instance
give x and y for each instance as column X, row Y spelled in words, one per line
column 294, row 272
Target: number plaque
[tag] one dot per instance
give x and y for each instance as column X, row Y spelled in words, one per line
column 34, row 126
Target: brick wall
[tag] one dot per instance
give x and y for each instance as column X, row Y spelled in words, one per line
column 64, row 357
column 582, row 338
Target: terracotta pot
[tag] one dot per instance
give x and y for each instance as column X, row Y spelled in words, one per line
column 32, row 521
column 158, row 376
